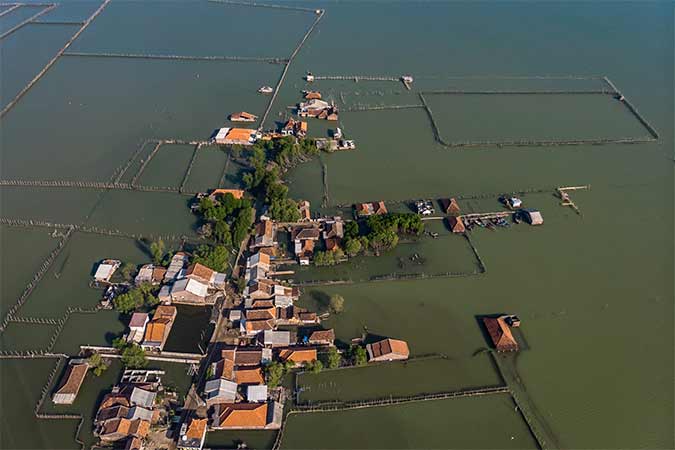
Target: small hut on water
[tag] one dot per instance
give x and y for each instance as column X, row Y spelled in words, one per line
column 456, row 225
column 449, row 206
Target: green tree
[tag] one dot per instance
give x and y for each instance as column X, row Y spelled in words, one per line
column 97, row 363
column 315, row 366
column 333, row 358
column 242, row 224
column 133, row 356
column 359, row 356
column 336, row 304
column 119, row 343
column 353, row 247
column 222, row 233
column 127, row 271
column 157, row 249
column 135, row 298
column 275, row 372
column 351, row 230
column 215, row 257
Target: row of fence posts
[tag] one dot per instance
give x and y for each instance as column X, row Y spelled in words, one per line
column 46, row 264
column 268, row 59
column 391, row 400
column 52, row 61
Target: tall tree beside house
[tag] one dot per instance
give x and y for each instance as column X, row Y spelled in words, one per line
column 353, row 247
column 336, row 304
column 157, row 249
column 97, row 363
column 333, row 358
column 127, row 271
column 215, row 257
column 274, row 371
column 133, row 357
column 135, row 298
column 242, row 224
column 222, row 233
column 315, row 366
column 358, row 355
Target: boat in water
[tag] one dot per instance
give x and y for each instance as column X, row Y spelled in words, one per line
column 266, row 90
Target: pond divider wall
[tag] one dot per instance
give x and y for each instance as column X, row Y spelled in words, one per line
column 611, row 90
column 273, row 60
column 27, row 21
column 52, row 61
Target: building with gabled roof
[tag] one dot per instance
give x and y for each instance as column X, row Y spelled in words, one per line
column 249, row 375
column 216, row 194
column 158, row 329
column 193, row 434
column 253, row 327
column 264, row 234
column 322, row 337
column 256, row 393
column 239, row 416
column 176, row 267
column 220, row 390
column 242, row 116
column 190, row 291
column 72, row 380
column 456, row 224
column 106, row 269
column 449, row 206
column 387, row 350
column 235, row 136
column 298, row 355
column 273, row 338
column 500, row 334
column 137, row 325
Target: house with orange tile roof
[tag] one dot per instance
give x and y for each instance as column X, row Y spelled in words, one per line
column 192, row 434
column 369, row 209
column 456, row 224
column 298, row 356
column 157, row 330
column 500, row 333
column 322, row 337
column 216, row 194
column 72, row 381
column 264, row 234
column 246, row 376
column 235, row 136
column 117, row 429
column 242, row 416
column 253, row 327
column 242, row 116
column 387, row 350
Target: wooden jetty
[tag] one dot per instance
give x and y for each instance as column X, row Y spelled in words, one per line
column 566, row 200
column 487, row 215
column 288, row 64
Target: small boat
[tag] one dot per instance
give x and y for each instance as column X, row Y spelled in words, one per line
column 266, row 90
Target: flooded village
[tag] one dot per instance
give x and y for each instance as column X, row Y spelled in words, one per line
column 290, row 243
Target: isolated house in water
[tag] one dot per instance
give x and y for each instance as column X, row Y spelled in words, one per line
column 449, row 206
column 456, row 225
column 533, row 217
column 500, row 333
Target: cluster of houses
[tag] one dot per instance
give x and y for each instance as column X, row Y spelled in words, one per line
column 318, row 109
column 152, row 334
column 370, row 209
column 130, row 409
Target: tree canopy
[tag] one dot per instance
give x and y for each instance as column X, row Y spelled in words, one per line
column 140, row 296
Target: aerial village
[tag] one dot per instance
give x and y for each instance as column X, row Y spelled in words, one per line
column 260, row 333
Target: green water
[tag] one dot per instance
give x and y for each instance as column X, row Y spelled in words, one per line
column 594, row 291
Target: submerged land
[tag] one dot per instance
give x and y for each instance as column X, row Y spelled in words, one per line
column 280, row 241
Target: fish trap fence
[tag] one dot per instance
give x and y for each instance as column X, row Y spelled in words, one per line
column 44, row 267
column 609, row 89
column 386, row 401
